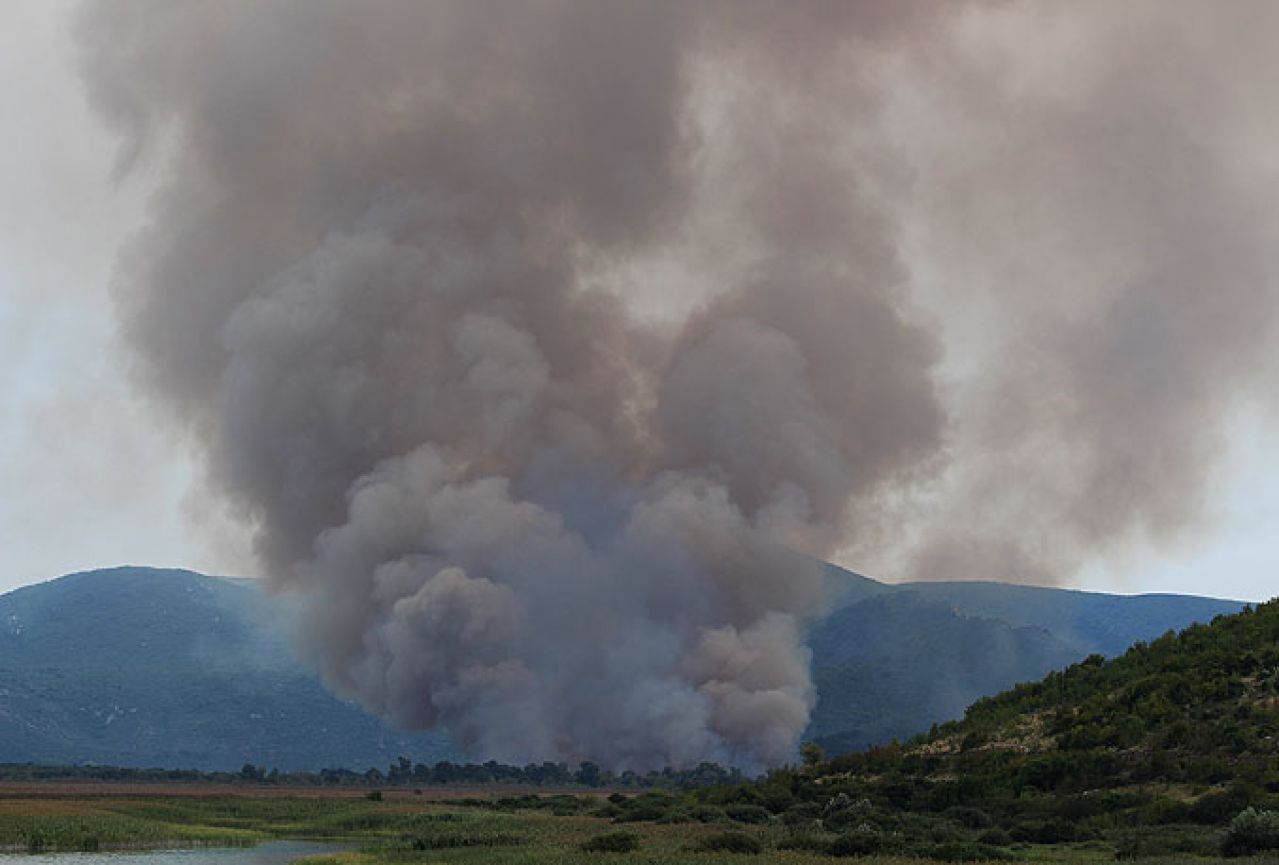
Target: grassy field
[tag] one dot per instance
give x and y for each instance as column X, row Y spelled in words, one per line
column 408, row 829
column 35, row 825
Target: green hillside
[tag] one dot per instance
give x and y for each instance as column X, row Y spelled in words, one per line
column 1156, row 751
column 1198, row 706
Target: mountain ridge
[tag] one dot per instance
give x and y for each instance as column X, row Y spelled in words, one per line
column 139, row 667
column 144, row 667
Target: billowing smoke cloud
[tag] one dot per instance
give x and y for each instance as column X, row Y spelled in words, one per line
column 400, row 281
column 375, row 286
column 1089, row 215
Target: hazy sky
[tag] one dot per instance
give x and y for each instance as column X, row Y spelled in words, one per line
column 89, row 475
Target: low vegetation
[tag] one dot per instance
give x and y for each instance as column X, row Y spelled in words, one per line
column 92, row 827
column 729, row 842
column 613, row 842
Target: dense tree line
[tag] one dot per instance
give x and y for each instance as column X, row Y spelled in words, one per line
column 402, row 773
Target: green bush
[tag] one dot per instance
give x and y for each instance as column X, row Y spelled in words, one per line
column 776, row 798
column 748, row 813
column 804, row 841
column 965, row 851
column 1057, row 830
column 995, row 837
column 613, row 842
column 943, row 831
column 450, row 841
column 645, row 813
column 1251, row 831
column 1148, row 842
column 803, row 814
column 675, row 815
column 1216, row 808
column 1164, row 809
column 863, row 842
column 729, row 842
column 972, row 818
column 707, row 814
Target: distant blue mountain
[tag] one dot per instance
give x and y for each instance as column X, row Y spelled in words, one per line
column 146, row 667
column 1090, row 621
column 891, row 660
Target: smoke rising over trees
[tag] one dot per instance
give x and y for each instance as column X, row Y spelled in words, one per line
column 398, row 286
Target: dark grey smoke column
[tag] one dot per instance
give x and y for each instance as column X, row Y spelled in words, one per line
column 966, row 289
column 372, row 288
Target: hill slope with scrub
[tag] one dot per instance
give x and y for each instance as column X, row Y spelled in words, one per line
column 1172, row 747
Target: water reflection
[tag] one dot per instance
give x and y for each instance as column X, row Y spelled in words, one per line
column 272, row 853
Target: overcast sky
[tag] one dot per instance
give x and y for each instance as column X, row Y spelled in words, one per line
column 89, row 479
column 89, row 475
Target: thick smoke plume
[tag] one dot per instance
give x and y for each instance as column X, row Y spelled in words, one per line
column 532, row 338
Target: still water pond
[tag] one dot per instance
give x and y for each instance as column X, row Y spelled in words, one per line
column 272, row 853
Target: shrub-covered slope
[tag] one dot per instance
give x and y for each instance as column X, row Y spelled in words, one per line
column 1147, row 751
column 1172, row 748
column 1197, row 705
column 1168, row 749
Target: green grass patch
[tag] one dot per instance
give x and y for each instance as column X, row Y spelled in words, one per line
column 729, row 842
column 612, row 842
column 89, row 833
